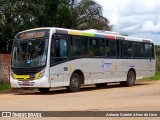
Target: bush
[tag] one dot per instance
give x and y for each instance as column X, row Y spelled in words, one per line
column 157, row 63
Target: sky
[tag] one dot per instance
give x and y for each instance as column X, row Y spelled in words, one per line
column 138, row 18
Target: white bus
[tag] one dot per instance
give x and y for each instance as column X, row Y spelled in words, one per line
column 54, row 57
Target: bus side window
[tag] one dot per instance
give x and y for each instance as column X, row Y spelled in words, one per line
column 59, row 50
column 112, row 48
column 137, row 50
column 93, row 47
column 127, row 49
column 148, row 50
column 96, row 47
column 107, row 49
column 79, row 46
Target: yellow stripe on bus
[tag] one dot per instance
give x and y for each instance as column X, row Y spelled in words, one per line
column 21, row 76
column 26, row 77
column 74, row 32
column 70, row 68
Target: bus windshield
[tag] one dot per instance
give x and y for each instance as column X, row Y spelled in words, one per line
column 29, row 53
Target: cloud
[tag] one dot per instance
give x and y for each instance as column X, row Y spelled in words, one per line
column 134, row 17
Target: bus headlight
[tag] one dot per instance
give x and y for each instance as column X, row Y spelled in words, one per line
column 41, row 74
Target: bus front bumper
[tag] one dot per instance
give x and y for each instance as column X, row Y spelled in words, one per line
column 42, row 82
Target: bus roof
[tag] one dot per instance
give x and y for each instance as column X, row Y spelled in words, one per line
column 94, row 33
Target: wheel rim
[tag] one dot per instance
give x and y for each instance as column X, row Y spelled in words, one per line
column 75, row 82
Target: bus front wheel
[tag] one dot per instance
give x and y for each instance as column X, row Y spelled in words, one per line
column 75, row 83
column 131, row 77
column 44, row 90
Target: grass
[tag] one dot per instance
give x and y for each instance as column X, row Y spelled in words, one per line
column 155, row 77
column 4, row 86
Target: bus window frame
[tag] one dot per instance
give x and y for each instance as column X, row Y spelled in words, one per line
column 126, row 57
column 142, row 54
column 104, row 42
column 71, row 47
column 59, row 36
column 117, row 49
column 153, row 54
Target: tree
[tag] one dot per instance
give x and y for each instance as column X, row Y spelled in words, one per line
column 87, row 14
column 17, row 15
column 157, row 51
column 56, row 13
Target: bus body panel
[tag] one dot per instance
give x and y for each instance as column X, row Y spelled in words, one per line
column 42, row 82
column 95, row 72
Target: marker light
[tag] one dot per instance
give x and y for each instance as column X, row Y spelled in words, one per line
column 41, row 74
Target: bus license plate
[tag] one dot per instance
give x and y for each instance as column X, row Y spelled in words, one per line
column 26, row 83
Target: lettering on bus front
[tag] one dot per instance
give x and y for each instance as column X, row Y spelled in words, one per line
column 32, row 35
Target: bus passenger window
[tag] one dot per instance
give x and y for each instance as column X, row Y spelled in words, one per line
column 59, row 50
column 93, row 47
column 137, row 50
column 107, row 49
column 112, row 48
column 79, row 46
column 148, row 50
column 126, row 49
column 96, row 47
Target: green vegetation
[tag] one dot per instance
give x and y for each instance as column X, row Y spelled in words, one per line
column 156, row 77
column 157, row 50
column 18, row 15
column 4, row 86
column 87, row 14
column 157, row 63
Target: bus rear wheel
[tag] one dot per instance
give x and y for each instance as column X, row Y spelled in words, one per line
column 131, row 77
column 44, row 90
column 75, row 83
column 101, row 85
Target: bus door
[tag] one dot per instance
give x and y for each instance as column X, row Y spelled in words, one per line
column 58, row 57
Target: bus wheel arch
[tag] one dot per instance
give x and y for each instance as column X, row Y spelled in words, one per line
column 77, row 78
column 130, row 80
column 81, row 74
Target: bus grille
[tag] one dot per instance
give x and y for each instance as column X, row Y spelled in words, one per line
column 26, row 71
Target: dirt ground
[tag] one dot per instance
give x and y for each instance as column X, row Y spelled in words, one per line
column 144, row 96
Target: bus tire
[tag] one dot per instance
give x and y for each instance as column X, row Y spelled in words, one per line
column 44, row 90
column 131, row 77
column 75, row 83
column 101, row 85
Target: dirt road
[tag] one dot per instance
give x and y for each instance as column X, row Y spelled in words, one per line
column 144, row 96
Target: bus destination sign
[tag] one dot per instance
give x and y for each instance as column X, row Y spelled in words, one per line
column 33, row 34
